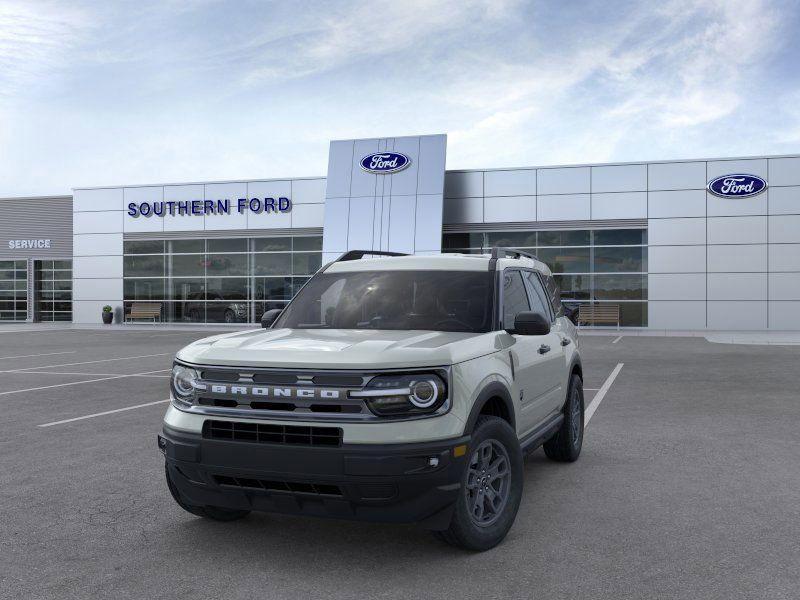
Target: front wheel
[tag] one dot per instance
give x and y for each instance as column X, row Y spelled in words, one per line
column 209, row 512
column 566, row 444
column 491, row 488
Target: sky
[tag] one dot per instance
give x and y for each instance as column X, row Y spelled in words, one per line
column 112, row 92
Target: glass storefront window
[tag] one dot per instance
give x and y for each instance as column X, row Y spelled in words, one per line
column 512, row 239
column 463, row 240
column 565, row 260
column 186, row 265
column 234, row 245
column 144, row 289
column 187, row 289
column 13, row 290
column 227, row 288
column 301, row 244
column 574, row 287
column 226, row 264
column 564, row 238
column 631, row 314
column 620, row 287
column 306, row 263
column 143, row 266
column 144, row 247
column 620, row 237
column 272, row 245
column 219, row 280
column 53, row 285
column 273, row 288
column 620, row 260
column 186, row 246
column 599, row 265
column 272, row 264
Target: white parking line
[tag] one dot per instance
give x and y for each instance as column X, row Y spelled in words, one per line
column 34, row 355
column 616, row 340
column 107, row 412
column 47, row 387
column 87, row 362
column 598, row 397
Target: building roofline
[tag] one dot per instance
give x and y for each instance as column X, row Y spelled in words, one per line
column 626, row 163
column 56, row 197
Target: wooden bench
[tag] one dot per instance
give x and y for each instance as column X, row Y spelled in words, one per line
column 593, row 314
column 144, row 310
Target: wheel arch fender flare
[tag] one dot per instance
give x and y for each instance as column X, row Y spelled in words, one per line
column 575, row 367
column 576, row 364
column 494, row 389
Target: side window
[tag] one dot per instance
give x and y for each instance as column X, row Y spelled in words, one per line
column 554, row 293
column 539, row 301
column 515, row 298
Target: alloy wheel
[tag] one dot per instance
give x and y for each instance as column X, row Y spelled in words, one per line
column 488, row 482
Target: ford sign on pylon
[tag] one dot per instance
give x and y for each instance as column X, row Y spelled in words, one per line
column 737, row 186
column 384, row 163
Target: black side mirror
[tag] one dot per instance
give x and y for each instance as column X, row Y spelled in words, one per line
column 268, row 318
column 531, row 323
column 571, row 312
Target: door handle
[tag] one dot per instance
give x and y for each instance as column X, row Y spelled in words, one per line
column 565, row 341
column 544, row 349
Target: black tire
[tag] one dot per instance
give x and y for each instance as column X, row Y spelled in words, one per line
column 208, row 512
column 483, row 532
column 566, row 444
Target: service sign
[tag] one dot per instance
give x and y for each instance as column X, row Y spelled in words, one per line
column 385, row 163
column 737, row 186
column 28, row 244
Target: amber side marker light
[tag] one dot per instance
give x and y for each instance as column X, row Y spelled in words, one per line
column 460, row 450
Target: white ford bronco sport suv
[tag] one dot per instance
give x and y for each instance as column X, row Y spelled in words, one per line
column 393, row 388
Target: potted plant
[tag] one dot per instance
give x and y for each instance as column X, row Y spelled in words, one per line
column 108, row 315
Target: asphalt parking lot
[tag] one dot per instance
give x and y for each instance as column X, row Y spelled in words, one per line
column 687, row 488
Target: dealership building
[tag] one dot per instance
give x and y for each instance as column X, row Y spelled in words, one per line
column 683, row 244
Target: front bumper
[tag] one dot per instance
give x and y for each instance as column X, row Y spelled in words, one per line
column 399, row 483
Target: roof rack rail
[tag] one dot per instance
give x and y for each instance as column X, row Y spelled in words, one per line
column 358, row 254
column 501, row 252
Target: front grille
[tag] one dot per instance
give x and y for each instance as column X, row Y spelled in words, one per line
column 291, row 487
column 263, row 433
column 349, row 407
column 306, row 395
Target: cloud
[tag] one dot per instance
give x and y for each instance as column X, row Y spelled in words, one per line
column 658, row 68
column 35, row 38
column 105, row 93
column 347, row 33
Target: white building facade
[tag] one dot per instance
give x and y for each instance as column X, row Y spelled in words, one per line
column 657, row 240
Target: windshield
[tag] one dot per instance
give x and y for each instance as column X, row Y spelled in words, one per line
column 433, row 300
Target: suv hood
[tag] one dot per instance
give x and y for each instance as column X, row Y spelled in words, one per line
column 339, row 348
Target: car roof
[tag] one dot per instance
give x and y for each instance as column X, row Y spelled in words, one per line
column 433, row 262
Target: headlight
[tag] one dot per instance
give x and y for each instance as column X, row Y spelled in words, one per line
column 185, row 381
column 404, row 394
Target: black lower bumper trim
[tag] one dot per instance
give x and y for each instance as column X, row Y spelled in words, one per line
column 401, row 483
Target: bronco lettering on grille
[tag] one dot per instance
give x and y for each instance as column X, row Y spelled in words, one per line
column 275, row 392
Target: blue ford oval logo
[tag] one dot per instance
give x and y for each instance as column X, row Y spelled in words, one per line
column 384, row 163
column 737, row 186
